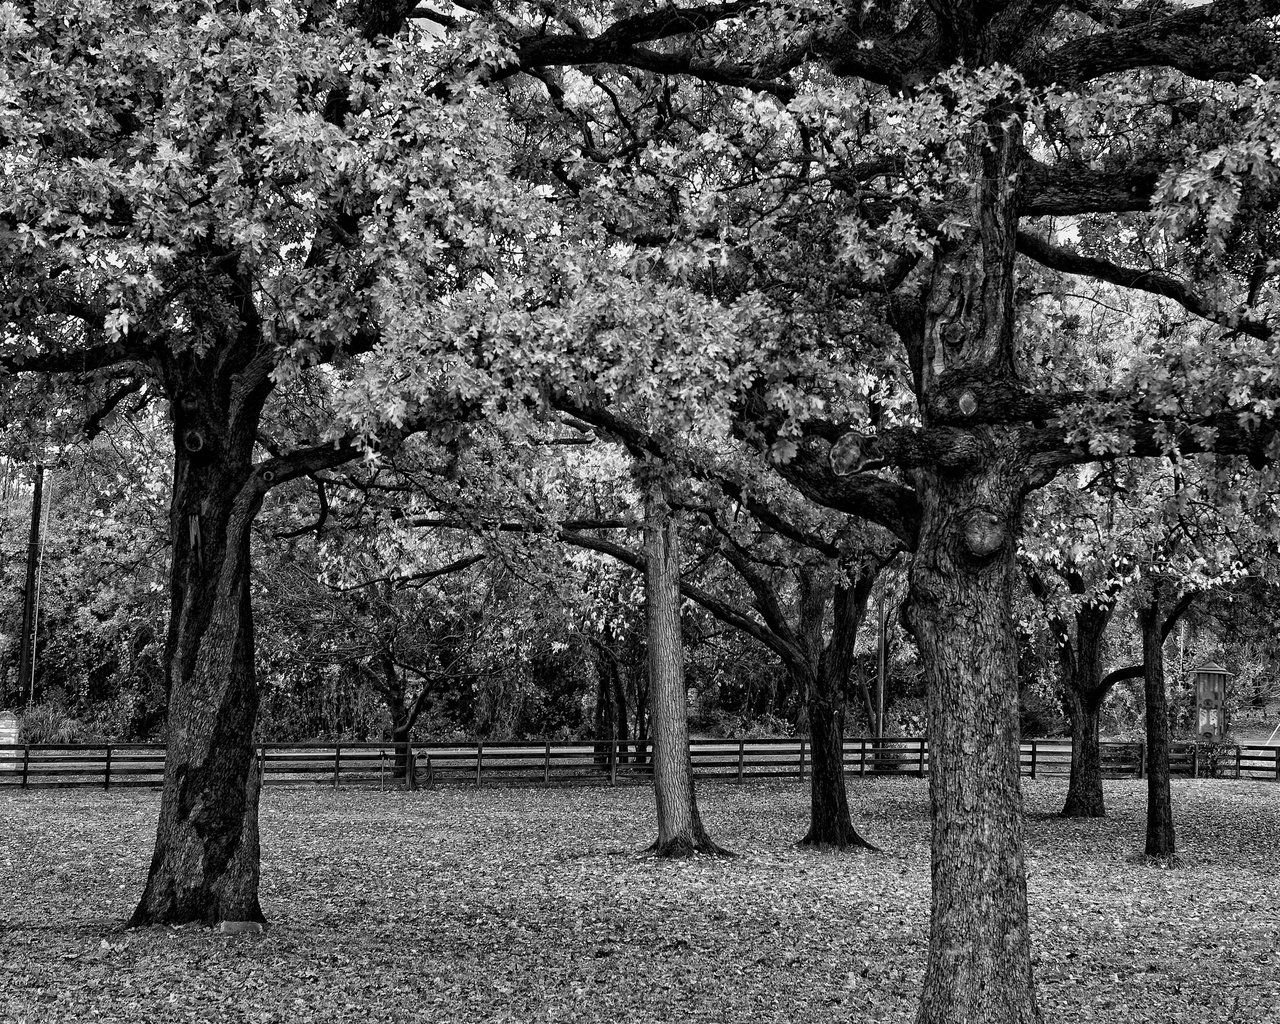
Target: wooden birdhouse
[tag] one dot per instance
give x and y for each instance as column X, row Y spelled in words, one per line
column 1211, row 702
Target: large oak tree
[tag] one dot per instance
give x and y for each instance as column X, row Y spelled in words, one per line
column 909, row 160
column 202, row 204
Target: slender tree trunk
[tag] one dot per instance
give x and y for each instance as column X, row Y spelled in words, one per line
column 1084, row 790
column 680, row 829
column 205, row 864
column 979, row 967
column 1160, row 832
column 27, row 642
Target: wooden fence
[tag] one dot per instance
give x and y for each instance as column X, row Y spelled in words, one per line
column 585, row 762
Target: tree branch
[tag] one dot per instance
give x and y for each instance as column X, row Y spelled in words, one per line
column 1219, row 41
column 723, row 611
column 1069, row 262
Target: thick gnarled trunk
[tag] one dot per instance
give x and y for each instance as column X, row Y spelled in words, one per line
column 205, row 864
column 680, row 829
column 961, row 606
column 979, row 968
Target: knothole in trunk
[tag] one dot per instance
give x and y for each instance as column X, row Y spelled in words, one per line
column 984, row 533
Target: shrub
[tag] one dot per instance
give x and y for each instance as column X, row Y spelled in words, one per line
column 49, row 723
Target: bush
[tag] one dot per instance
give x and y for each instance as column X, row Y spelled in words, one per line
column 49, row 723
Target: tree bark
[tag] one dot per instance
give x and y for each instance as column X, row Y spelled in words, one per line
column 830, row 823
column 403, row 714
column 1160, row 832
column 205, row 864
column 979, row 967
column 961, row 601
column 680, row 829
column 1082, row 675
column 402, row 738
column 1084, row 790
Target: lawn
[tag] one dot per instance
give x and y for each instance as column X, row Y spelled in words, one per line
column 527, row 905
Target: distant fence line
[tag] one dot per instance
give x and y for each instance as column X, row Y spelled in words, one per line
column 588, row 762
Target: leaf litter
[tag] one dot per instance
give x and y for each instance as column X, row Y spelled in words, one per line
column 456, row 905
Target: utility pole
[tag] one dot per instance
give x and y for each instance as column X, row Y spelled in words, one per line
column 880, row 670
column 26, row 661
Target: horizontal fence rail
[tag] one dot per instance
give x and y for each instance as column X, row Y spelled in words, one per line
column 586, row 762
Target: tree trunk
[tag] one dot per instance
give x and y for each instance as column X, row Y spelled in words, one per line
column 830, row 823
column 391, row 687
column 1083, row 678
column 402, row 738
column 680, row 829
column 1160, row 833
column 979, row 967
column 205, row 864
column 1084, row 790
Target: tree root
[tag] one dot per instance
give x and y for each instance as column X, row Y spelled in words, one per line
column 850, row 841
column 683, row 846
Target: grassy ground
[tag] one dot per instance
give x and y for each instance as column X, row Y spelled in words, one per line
column 527, row 905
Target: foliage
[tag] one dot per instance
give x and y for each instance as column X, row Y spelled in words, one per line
column 101, row 612
column 50, row 723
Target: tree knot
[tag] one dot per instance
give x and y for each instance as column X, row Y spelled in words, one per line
column 984, row 532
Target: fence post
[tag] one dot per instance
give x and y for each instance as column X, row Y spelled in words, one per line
column 802, row 758
column 1237, row 760
column 1033, row 759
column 1278, row 764
column 337, row 759
column 1142, row 759
column 106, row 774
column 1195, row 760
column 546, row 764
column 613, row 761
column 862, row 756
column 26, row 763
column 382, row 770
column 742, row 744
column 479, row 759
column 262, row 763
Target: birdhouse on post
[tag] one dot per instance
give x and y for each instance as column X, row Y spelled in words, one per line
column 1211, row 702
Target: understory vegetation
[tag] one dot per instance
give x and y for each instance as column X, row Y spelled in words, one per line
column 525, row 904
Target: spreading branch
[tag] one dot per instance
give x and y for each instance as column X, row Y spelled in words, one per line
column 1070, row 262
